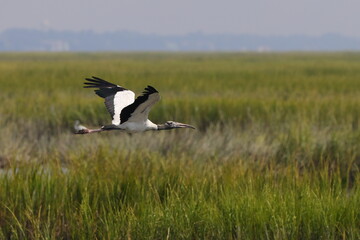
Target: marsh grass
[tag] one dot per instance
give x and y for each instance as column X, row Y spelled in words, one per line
column 276, row 154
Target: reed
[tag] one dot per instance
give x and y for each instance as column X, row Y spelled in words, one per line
column 275, row 156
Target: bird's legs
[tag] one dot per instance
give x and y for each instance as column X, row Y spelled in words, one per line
column 86, row 130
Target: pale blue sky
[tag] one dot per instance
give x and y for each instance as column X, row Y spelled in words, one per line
column 264, row 17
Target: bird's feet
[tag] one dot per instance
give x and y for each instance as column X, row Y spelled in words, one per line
column 80, row 129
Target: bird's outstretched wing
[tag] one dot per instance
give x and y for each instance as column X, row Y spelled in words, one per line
column 116, row 97
column 139, row 110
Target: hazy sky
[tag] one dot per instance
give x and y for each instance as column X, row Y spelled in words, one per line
column 264, row 17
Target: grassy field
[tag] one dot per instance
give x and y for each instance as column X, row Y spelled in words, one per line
column 276, row 153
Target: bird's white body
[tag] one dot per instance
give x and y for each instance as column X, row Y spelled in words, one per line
column 133, row 127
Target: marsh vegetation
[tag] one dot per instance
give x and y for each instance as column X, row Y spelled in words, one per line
column 276, row 153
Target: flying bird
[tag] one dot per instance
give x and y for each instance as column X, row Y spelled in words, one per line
column 127, row 113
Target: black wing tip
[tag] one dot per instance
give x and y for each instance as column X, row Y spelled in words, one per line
column 149, row 90
column 95, row 79
column 96, row 82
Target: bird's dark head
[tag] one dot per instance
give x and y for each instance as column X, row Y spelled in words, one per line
column 171, row 124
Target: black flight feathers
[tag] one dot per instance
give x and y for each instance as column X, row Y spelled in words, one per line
column 106, row 89
column 128, row 110
column 106, row 86
column 96, row 82
column 149, row 90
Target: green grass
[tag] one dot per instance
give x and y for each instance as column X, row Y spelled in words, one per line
column 276, row 153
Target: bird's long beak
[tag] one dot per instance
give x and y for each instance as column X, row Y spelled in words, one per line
column 183, row 125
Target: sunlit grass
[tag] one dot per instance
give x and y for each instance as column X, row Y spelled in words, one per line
column 275, row 154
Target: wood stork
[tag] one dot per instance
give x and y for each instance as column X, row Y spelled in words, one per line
column 127, row 113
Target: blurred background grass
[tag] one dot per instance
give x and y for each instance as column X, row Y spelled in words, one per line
column 276, row 153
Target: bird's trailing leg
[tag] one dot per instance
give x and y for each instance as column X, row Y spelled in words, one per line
column 85, row 131
column 80, row 129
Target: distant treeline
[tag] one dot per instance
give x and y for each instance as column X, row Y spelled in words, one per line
column 50, row 40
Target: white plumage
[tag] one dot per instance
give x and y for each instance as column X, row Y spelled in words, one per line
column 121, row 100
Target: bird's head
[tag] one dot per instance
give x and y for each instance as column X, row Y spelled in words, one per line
column 171, row 124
